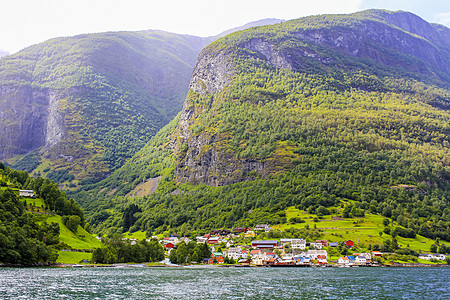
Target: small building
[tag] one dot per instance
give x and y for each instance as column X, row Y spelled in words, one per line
column 323, row 242
column 168, row 246
column 269, row 244
column 298, row 244
column 208, row 261
column 376, row 254
column 314, row 253
column 432, row 256
column 26, row 193
column 218, row 256
column 201, row 240
column 349, row 244
column 360, row 260
column 322, row 259
column 213, row 240
column 263, row 227
column 333, row 244
column 317, row 246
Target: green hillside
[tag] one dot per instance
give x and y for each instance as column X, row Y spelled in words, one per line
column 34, row 230
column 312, row 113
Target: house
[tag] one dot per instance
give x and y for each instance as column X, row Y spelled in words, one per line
column 229, row 243
column 351, row 259
column 376, row 254
column 312, row 254
column 265, row 244
column 360, row 260
column 263, row 227
column 240, row 229
column 333, row 244
column 432, row 256
column 218, row 256
column 26, row 193
column 317, row 246
column 236, row 253
column 250, row 233
column 171, row 239
column 349, row 244
column 343, row 260
column 168, row 246
column 322, row 259
column 201, row 240
column 298, row 244
column 323, row 242
column 244, row 261
column 208, row 261
column 213, row 240
column 285, row 242
column 367, row 255
column 302, row 260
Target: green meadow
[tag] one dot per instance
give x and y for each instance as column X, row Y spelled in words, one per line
column 362, row 230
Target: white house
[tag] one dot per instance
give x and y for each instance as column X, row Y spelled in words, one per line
column 298, row 244
column 26, row 193
column 236, row 253
column 314, row 253
column 201, row 240
column 432, row 256
column 360, row 260
column 317, row 246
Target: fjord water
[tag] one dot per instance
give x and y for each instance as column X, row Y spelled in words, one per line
column 225, row 283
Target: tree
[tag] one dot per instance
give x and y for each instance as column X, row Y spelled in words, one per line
column 72, row 223
column 386, row 222
column 433, row 248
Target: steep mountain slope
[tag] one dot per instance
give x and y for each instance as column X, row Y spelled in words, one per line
column 80, row 106
column 89, row 102
column 346, row 110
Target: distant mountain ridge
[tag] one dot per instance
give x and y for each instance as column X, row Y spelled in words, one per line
column 78, row 107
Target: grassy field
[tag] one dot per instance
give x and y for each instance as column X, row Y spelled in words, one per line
column 140, row 235
column 68, row 257
column 81, row 240
column 363, row 231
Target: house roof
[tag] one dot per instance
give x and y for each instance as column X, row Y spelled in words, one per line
column 265, row 242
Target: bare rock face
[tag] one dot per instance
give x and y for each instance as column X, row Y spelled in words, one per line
column 398, row 39
column 30, row 124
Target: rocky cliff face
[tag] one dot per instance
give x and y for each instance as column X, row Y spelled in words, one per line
column 389, row 40
column 29, row 119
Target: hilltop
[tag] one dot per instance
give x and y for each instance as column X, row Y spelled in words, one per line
column 313, row 113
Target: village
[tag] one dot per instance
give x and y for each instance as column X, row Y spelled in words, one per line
column 283, row 252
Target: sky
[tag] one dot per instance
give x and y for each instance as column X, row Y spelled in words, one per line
column 27, row 22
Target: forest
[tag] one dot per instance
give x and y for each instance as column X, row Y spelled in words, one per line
column 24, row 240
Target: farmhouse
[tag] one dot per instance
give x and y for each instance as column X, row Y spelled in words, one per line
column 26, row 193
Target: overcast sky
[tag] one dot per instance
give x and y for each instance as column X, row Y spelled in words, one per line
column 27, row 22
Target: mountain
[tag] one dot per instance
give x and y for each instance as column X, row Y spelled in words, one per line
column 78, row 107
column 347, row 111
column 3, row 53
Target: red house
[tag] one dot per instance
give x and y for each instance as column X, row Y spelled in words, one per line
column 265, row 244
column 349, row 243
column 208, row 261
column 169, row 246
